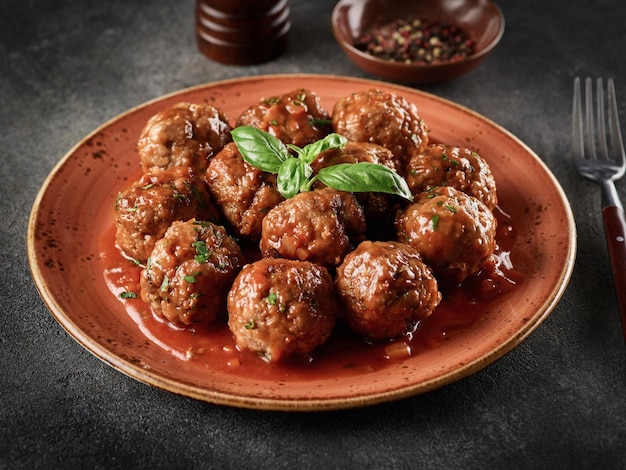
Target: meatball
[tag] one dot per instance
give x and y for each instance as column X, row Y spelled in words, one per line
column 385, row 289
column 278, row 307
column 190, row 273
column 145, row 209
column 294, row 118
column 384, row 118
column 354, row 152
column 378, row 207
column 185, row 135
column 244, row 193
column 320, row 226
column 454, row 232
column 461, row 168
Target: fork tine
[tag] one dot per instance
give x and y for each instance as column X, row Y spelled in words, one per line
column 601, row 119
column 615, row 133
column 590, row 131
column 578, row 145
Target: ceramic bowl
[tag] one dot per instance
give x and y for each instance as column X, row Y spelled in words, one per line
column 481, row 20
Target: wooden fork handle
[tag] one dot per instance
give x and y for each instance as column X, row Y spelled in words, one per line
column 615, row 230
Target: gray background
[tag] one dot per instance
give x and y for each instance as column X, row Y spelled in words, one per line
column 556, row 401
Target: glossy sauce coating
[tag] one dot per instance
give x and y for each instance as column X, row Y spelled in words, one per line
column 295, row 118
column 279, row 307
column 190, row 271
column 344, row 353
column 320, row 226
column 243, row 193
column 382, row 118
column 146, row 208
column 445, row 165
column 453, row 232
column 185, row 135
column 385, row 289
column 377, row 207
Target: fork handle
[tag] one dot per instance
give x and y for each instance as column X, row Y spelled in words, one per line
column 615, row 230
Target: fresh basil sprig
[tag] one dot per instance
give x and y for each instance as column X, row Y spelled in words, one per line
column 260, row 149
column 363, row 176
column 295, row 174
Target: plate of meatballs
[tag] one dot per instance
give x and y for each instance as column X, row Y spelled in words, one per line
column 300, row 242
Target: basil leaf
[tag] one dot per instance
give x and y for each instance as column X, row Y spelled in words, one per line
column 331, row 141
column 364, row 177
column 266, row 152
column 291, row 177
column 260, row 149
column 297, row 150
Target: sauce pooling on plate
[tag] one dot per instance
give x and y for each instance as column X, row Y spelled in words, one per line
column 360, row 287
column 345, row 353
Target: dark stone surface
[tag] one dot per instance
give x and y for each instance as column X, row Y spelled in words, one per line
column 556, row 401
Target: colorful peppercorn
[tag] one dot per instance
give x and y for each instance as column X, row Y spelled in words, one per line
column 416, row 41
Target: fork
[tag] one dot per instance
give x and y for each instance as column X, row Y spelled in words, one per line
column 604, row 167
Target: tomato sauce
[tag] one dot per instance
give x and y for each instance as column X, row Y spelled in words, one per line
column 344, row 353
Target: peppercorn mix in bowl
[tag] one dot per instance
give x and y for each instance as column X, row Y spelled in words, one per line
column 419, row 42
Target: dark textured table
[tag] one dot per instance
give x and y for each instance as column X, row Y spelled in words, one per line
column 556, row 401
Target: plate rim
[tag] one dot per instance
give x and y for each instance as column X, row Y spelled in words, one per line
column 154, row 379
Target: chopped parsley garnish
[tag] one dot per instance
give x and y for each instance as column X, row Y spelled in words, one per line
column 272, row 298
column 435, row 222
column 197, row 194
column 128, row 295
column 202, row 252
column 320, row 122
column 299, row 99
column 165, row 284
column 454, row 162
column 449, row 207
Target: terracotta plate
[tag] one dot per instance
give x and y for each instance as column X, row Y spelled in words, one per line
column 74, row 209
